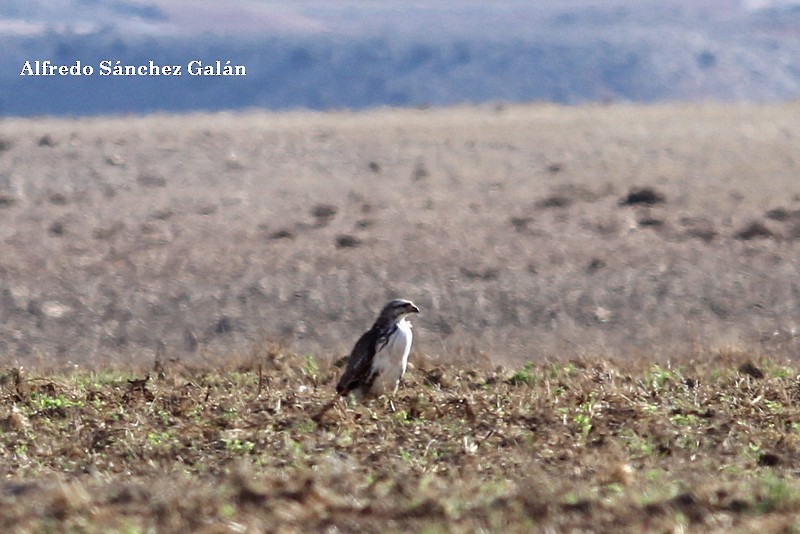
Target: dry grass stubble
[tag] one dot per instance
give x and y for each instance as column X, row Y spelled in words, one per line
column 710, row 442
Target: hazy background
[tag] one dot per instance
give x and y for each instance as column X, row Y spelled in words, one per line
column 510, row 226
column 356, row 54
column 497, row 202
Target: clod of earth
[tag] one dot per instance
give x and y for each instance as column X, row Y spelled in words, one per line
column 643, row 195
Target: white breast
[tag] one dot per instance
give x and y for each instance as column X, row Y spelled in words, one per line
column 392, row 359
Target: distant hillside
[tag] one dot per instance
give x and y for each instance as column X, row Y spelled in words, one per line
column 315, row 56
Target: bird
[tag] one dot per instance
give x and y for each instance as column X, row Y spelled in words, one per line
column 380, row 357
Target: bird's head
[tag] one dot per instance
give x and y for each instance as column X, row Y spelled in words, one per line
column 397, row 309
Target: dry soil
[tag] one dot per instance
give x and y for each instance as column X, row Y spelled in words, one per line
column 520, row 231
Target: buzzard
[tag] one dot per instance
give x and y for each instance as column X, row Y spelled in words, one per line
column 380, row 357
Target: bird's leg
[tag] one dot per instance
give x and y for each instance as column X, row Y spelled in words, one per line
column 391, row 405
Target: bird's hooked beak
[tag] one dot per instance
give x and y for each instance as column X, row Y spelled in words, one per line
column 412, row 308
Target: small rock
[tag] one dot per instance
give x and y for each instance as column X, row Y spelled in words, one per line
column 643, row 195
column 555, row 168
column 206, row 209
column 650, row 222
column 794, row 231
column 520, row 224
column 754, row 230
column 595, row 265
column 46, row 140
column 583, row 506
column 224, row 325
column 738, row 506
column 555, row 201
column 420, row 172
column 324, row 213
column 283, row 233
column 162, row 214
column 622, row 473
column 151, row 180
column 347, row 241
column 750, row 369
column 699, row 228
column 58, row 199
column 769, row 459
column 485, row 274
column 58, row 228
column 439, row 377
column 14, row 421
column 232, row 162
column 602, row 314
column 779, row 214
column 108, row 231
column 54, row 309
column 115, row 160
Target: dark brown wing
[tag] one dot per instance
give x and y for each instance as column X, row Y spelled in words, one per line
column 360, row 362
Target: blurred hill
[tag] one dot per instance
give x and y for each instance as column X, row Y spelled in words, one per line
column 347, row 54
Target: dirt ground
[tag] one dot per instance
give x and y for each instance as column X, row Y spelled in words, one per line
column 522, row 232
column 709, row 444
